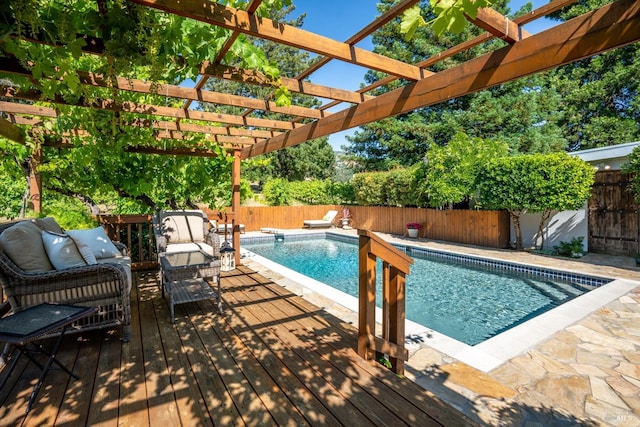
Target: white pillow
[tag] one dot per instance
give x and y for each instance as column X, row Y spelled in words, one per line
column 62, row 251
column 96, row 239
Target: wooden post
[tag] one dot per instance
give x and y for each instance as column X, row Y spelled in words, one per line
column 386, row 298
column 235, row 202
column 35, row 180
column 396, row 315
column 366, row 298
column 395, row 267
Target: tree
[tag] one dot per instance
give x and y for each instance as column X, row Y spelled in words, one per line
column 534, row 183
column 600, row 95
column 632, row 166
column 449, row 172
column 523, row 113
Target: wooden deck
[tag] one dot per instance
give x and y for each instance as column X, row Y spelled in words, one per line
column 271, row 359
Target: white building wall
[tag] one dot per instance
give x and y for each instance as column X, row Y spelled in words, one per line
column 562, row 227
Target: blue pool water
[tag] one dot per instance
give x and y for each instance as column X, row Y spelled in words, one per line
column 468, row 303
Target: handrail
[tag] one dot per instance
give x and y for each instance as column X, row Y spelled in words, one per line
column 136, row 232
column 395, row 267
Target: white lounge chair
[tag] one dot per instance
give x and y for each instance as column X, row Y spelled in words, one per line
column 326, row 221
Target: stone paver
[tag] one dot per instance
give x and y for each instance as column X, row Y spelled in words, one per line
column 587, row 374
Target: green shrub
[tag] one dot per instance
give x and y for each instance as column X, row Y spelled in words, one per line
column 11, row 192
column 393, row 188
column 325, row 192
column 276, row 192
column 368, row 188
column 572, row 249
column 69, row 212
column 400, row 185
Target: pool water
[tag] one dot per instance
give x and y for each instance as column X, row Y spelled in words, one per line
column 467, row 303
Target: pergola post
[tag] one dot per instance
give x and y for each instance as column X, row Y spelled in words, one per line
column 35, row 180
column 235, row 201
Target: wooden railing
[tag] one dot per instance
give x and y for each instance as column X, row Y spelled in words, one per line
column 135, row 231
column 395, row 267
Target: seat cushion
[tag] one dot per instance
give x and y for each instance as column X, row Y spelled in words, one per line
column 22, row 243
column 190, row 247
column 97, row 240
column 182, row 227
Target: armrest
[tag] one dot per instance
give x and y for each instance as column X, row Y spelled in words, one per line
column 121, row 247
column 5, row 307
column 19, row 283
column 213, row 240
column 161, row 243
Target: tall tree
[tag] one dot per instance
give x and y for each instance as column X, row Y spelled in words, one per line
column 586, row 104
column 601, row 94
column 520, row 113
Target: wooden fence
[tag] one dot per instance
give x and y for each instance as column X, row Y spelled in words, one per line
column 613, row 215
column 482, row 228
column 474, row 227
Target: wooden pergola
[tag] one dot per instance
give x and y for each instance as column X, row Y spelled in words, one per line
column 248, row 134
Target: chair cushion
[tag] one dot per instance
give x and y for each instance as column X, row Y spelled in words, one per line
column 190, row 247
column 62, row 251
column 97, row 240
column 182, row 227
column 23, row 245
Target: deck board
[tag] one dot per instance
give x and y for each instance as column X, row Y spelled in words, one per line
column 272, row 358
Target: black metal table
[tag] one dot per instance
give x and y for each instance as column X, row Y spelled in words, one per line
column 183, row 278
column 30, row 325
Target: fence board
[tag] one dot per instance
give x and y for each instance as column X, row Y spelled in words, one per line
column 614, row 222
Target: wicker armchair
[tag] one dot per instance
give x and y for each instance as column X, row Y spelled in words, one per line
column 184, row 231
column 104, row 285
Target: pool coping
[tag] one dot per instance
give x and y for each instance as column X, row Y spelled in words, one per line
column 490, row 353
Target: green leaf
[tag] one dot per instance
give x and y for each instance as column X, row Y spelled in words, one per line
column 411, row 21
column 283, row 97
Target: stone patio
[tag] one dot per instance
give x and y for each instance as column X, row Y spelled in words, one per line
column 586, row 374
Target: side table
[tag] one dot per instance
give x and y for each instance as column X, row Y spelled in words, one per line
column 27, row 326
column 183, row 278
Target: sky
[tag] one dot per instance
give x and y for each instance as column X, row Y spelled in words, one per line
column 342, row 19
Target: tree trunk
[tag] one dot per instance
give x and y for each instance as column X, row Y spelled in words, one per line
column 544, row 218
column 515, row 217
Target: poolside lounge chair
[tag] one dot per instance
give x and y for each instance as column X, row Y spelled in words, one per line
column 326, row 221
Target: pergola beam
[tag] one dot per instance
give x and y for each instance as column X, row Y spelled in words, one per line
column 41, row 111
column 11, row 131
column 499, row 25
column 612, row 26
column 482, row 38
column 13, row 66
column 241, row 75
column 238, row 20
column 152, row 110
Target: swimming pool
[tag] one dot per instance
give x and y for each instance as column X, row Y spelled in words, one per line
column 465, row 298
